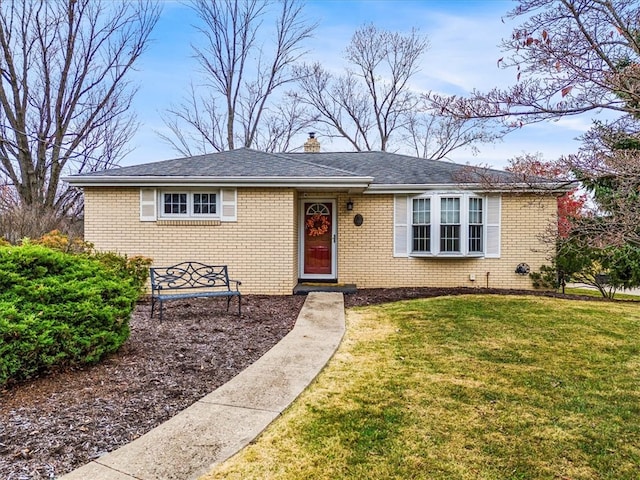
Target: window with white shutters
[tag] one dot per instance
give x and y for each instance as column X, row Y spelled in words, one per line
column 447, row 224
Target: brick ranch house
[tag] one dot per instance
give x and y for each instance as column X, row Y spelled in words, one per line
column 372, row 219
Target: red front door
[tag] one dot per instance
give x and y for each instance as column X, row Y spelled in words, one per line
column 318, row 237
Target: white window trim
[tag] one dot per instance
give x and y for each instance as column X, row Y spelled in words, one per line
column 152, row 205
column 436, row 224
column 189, row 215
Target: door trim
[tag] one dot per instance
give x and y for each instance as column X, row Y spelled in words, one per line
column 334, row 240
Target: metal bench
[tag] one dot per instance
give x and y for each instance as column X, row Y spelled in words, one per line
column 192, row 280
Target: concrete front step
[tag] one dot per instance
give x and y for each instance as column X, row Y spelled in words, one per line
column 304, row 288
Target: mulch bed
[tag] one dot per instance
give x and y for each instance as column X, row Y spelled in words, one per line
column 56, row 423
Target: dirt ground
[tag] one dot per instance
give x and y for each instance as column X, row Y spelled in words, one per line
column 56, row 423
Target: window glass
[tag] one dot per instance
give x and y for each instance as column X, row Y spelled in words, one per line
column 204, row 203
column 449, row 210
column 449, row 224
column 450, row 238
column 175, row 203
column 422, row 238
column 475, row 210
column 421, row 225
column 475, row 225
column 421, row 211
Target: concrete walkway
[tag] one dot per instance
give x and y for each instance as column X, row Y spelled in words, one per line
column 220, row 424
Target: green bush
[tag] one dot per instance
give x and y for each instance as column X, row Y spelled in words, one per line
column 59, row 309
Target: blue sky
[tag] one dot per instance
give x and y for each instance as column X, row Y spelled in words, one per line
column 464, row 38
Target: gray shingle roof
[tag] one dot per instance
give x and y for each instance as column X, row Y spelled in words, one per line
column 394, row 169
column 374, row 168
column 242, row 162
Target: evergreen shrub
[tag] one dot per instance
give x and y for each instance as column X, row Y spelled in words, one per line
column 61, row 309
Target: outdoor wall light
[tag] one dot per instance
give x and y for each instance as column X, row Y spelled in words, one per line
column 349, row 205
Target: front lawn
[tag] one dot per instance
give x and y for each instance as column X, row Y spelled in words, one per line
column 469, row 387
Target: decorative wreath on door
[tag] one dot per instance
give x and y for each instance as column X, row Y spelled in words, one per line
column 317, row 225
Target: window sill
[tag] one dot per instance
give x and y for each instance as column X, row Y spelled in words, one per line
column 446, row 255
column 189, row 222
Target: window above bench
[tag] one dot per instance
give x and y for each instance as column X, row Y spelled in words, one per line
column 188, row 204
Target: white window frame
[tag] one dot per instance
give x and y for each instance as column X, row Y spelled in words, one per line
column 442, row 223
column 436, row 224
column 482, row 224
column 190, row 204
column 423, row 225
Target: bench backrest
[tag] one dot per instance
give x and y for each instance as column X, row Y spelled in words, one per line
column 189, row 275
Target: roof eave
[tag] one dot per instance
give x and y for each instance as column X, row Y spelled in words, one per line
column 241, row 181
column 550, row 187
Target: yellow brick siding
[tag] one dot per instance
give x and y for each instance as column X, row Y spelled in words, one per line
column 365, row 255
column 261, row 247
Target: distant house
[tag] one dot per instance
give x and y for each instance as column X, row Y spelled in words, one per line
column 373, row 219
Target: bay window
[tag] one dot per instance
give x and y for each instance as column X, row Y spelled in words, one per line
column 445, row 224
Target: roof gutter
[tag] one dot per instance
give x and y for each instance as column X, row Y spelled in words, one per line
column 354, row 182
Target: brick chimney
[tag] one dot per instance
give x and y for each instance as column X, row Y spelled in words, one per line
column 312, row 145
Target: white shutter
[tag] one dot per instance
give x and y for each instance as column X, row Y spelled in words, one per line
column 229, row 200
column 493, row 227
column 401, row 226
column 148, row 210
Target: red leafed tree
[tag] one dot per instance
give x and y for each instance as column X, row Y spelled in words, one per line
column 571, row 205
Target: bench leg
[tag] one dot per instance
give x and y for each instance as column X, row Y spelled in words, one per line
column 161, row 305
column 239, row 304
column 153, row 305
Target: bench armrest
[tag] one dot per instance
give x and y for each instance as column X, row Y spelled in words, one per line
column 237, row 282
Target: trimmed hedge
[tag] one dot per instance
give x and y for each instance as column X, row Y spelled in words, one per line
column 60, row 309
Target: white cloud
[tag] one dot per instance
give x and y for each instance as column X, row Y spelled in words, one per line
column 464, row 53
column 578, row 123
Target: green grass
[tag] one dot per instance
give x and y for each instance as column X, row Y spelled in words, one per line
column 592, row 292
column 472, row 387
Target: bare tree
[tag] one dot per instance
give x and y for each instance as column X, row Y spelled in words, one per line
column 64, row 92
column 434, row 136
column 373, row 99
column 373, row 105
column 570, row 57
column 281, row 126
column 241, row 75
